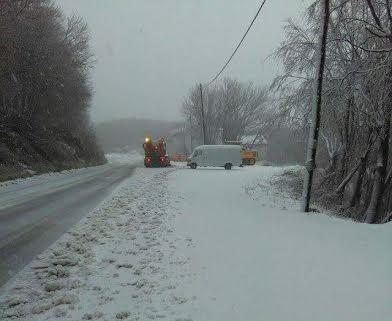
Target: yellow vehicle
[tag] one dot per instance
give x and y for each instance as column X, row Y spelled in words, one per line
column 249, row 157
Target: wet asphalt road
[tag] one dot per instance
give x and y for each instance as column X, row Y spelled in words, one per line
column 34, row 218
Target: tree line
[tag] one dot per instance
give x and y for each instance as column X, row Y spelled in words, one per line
column 45, row 86
column 356, row 105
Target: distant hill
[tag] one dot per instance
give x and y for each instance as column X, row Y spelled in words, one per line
column 128, row 134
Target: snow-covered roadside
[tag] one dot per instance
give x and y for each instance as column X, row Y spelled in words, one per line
column 27, row 189
column 110, row 266
column 52, row 177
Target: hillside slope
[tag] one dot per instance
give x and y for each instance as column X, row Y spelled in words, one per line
column 27, row 150
column 45, row 90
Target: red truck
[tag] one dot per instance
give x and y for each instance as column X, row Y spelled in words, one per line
column 155, row 153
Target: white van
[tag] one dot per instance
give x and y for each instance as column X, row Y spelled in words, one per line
column 216, row 155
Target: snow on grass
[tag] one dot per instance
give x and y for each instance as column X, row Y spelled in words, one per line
column 204, row 245
column 255, row 257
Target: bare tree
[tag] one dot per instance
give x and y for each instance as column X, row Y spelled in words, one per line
column 230, row 106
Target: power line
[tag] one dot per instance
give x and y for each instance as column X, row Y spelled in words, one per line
column 239, row 45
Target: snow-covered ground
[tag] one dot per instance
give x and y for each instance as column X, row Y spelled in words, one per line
column 207, row 245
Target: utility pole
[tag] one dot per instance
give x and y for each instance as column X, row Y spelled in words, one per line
column 190, row 131
column 316, row 108
column 202, row 115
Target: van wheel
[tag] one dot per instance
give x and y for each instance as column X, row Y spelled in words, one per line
column 228, row 166
column 193, row 165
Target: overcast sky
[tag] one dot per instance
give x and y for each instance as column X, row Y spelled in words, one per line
column 150, row 52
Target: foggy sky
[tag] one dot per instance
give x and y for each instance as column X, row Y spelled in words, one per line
column 150, row 52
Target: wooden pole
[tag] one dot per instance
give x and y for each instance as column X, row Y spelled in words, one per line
column 202, row 114
column 190, row 131
column 316, row 108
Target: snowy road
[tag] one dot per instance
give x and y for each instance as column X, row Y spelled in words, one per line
column 207, row 245
column 37, row 211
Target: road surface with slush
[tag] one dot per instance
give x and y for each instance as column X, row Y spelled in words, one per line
column 35, row 212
